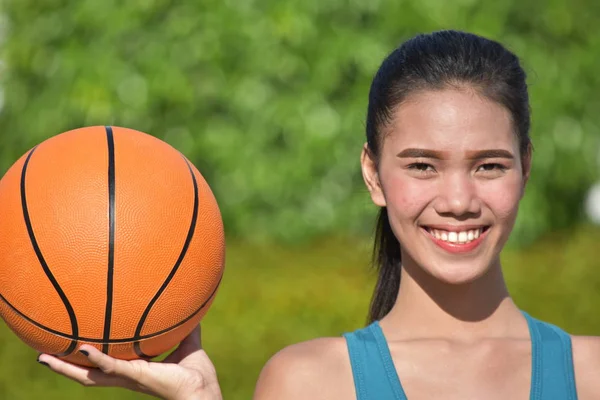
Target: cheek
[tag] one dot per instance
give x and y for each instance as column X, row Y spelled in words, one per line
column 407, row 197
column 502, row 197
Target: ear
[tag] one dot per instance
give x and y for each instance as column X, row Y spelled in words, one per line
column 526, row 166
column 371, row 176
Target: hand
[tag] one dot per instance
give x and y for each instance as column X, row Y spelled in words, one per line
column 186, row 374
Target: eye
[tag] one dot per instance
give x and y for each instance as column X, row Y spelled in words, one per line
column 421, row 168
column 492, row 167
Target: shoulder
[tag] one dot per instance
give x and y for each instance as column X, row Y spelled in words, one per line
column 316, row 369
column 586, row 362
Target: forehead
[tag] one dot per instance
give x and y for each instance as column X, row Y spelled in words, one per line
column 451, row 120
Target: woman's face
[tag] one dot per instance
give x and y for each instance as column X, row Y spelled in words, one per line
column 451, row 177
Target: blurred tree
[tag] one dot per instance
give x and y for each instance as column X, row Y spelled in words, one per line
column 268, row 98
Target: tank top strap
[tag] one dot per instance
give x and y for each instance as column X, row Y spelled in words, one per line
column 553, row 374
column 375, row 377
column 373, row 370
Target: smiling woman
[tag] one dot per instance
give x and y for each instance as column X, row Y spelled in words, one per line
column 447, row 160
column 449, row 163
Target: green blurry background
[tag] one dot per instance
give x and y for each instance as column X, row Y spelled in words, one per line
column 268, row 99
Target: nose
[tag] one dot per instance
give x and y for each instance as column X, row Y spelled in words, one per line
column 457, row 196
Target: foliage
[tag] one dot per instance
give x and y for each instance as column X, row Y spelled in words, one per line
column 268, row 97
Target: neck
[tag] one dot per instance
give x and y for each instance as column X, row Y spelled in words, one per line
column 429, row 308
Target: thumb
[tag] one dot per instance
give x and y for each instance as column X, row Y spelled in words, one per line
column 189, row 345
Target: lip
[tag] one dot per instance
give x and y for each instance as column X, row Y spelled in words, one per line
column 457, row 248
column 455, row 228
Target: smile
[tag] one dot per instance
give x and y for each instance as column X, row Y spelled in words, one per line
column 457, row 239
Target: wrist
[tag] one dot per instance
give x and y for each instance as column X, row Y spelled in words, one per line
column 204, row 396
column 209, row 393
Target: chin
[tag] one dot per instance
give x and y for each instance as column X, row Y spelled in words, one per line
column 457, row 274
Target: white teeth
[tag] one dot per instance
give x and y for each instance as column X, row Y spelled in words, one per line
column 452, row 237
column 456, row 237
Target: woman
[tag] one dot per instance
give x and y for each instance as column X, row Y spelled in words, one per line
column 447, row 159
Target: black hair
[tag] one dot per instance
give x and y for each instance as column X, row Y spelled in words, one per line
column 435, row 61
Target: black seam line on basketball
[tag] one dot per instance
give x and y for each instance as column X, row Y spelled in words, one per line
column 182, row 254
column 69, row 349
column 40, row 256
column 75, row 337
column 112, row 341
column 136, row 345
column 111, row 236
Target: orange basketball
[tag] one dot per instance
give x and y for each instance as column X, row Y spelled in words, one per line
column 110, row 237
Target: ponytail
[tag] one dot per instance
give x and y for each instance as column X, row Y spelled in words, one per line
column 386, row 260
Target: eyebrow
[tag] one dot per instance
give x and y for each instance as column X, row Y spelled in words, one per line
column 422, row 153
column 493, row 153
column 440, row 155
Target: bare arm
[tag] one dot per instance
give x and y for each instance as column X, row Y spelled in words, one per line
column 586, row 360
column 316, row 370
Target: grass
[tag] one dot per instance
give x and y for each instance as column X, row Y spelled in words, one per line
column 272, row 297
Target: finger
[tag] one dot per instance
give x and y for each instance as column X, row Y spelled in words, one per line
column 114, row 367
column 194, row 339
column 189, row 345
column 83, row 375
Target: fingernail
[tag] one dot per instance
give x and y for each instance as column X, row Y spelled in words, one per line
column 42, row 362
column 85, row 353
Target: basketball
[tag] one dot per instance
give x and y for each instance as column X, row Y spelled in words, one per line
column 109, row 237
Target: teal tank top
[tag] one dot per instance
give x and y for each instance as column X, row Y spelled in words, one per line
column 375, row 377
